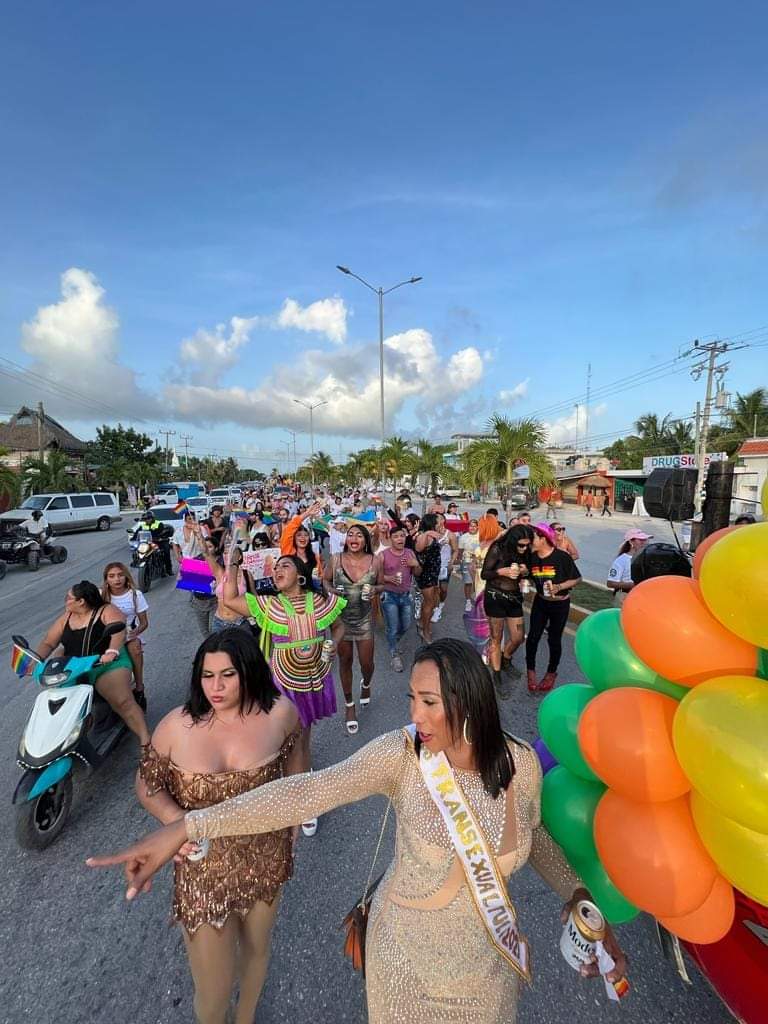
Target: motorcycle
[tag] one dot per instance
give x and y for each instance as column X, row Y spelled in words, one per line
column 147, row 559
column 17, row 547
column 69, row 721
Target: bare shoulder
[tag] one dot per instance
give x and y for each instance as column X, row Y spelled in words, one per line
column 284, row 711
column 169, row 730
column 112, row 613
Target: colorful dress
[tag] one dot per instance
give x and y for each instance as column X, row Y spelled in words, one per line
column 296, row 656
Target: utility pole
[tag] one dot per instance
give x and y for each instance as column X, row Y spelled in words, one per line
column 713, row 350
column 40, row 421
column 576, row 444
column 167, row 433
column 186, row 438
column 311, row 406
column 293, row 437
column 586, row 411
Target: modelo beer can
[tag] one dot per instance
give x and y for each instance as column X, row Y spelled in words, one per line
column 326, row 651
column 547, row 588
column 584, row 928
column 366, row 592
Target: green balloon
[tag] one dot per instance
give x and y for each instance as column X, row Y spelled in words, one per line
column 559, row 715
column 607, row 660
column 568, row 806
column 615, row 907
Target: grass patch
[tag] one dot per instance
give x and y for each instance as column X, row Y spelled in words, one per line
column 594, row 599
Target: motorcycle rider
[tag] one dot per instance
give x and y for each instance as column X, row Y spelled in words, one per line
column 161, row 535
column 37, row 526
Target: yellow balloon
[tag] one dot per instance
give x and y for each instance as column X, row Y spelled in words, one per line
column 720, row 734
column 740, row 853
column 734, row 582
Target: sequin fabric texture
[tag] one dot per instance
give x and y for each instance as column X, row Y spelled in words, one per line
column 358, row 615
column 428, row 954
column 237, row 872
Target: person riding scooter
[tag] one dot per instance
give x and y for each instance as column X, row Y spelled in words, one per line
column 161, row 535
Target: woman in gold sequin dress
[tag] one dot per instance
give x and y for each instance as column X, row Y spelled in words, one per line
column 235, row 733
column 429, row 956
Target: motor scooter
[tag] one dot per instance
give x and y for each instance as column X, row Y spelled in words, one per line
column 69, row 722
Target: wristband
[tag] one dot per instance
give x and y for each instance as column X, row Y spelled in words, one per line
column 112, row 650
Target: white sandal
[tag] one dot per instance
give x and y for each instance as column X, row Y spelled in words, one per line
column 352, row 726
column 364, row 701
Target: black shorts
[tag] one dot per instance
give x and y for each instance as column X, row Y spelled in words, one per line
column 499, row 604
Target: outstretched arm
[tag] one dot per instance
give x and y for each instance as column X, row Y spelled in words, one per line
column 287, row 801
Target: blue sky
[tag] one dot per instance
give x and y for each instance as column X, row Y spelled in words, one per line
column 575, row 183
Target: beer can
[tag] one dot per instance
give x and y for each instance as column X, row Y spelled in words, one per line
column 399, row 578
column 366, row 591
column 326, row 651
column 525, row 586
column 200, row 851
column 584, row 928
column 547, row 588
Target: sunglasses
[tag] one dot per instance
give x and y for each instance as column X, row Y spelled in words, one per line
column 559, row 529
column 523, row 547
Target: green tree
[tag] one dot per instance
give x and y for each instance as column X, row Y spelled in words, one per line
column 430, row 461
column 320, row 468
column 399, row 458
column 123, row 457
column 626, row 452
column 10, row 483
column 493, row 460
column 748, row 416
column 49, row 474
column 654, row 433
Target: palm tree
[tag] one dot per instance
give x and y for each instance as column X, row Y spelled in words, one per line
column 430, row 461
column 398, row 457
column 47, row 474
column 749, row 415
column 680, row 437
column 10, row 482
column 320, row 469
column 654, row 433
column 493, row 460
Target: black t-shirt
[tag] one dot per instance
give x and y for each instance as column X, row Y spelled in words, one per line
column 556, row 567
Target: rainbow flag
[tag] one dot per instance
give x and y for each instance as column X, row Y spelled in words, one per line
column 23, row 662
column 182, row 505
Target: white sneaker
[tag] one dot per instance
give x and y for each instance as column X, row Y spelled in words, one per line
column 468, row 605
column 436, row 614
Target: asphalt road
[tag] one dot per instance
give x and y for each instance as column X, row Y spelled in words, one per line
column 74, row 950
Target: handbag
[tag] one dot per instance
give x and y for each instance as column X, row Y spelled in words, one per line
column 356, row 921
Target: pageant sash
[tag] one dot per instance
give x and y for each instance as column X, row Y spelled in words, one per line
column 484, row 880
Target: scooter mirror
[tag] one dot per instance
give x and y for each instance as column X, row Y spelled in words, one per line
column 21, row 641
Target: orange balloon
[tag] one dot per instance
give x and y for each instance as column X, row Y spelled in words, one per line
column 670, row 628
column 711, row 921
column 625, row 735
column 653, row 855
column 706, row 544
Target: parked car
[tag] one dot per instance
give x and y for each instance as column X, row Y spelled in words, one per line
column 200, row 506
column 219, row 496
column 67, row 512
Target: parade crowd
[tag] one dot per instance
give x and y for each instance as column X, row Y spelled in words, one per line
column 228, row 774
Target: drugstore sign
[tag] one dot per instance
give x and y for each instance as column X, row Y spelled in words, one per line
column 687, row 461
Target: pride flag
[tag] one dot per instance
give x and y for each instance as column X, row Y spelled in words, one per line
column 23, row 661
column 182, row 505
column 196, row 576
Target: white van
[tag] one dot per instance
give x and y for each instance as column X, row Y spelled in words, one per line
column 67, row 512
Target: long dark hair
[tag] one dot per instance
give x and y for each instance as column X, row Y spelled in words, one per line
column 311, row 560
column 88, row 592
column 367, row 545
column 468, row 696
column 428, row 522
column 256, row 686
column 506, row 544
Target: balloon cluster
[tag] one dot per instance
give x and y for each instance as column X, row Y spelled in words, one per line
column 660, row 795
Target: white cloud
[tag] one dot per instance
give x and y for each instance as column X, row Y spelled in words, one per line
column 326, row 316
column 508, row 396
column 567, row 429
column 74, row 343
column 215, row 352
column 348, row 380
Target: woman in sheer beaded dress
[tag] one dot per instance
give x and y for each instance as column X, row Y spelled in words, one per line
column 236, row 732
column 428, row 953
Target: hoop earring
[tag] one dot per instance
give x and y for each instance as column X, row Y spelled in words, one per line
column 467, row 740
column 301, row 580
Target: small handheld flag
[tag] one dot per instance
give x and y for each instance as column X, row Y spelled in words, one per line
column 182, row 505
column 23, row 662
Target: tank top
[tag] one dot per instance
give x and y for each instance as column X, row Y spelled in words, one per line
column 393, row 564
column 74, row 640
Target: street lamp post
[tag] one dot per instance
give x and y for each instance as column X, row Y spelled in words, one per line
column 311, row 406
column 380, row 292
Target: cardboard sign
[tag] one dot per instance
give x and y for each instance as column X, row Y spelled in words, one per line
column 260, row 564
